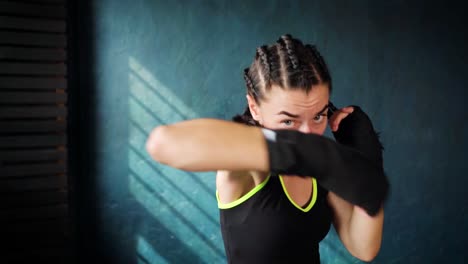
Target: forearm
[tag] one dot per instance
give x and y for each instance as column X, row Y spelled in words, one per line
column 360, row 233
column 209, row 144
column 365, row 233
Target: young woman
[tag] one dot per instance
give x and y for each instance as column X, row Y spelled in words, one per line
column 280, row 183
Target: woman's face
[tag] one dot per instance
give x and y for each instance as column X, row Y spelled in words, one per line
column 293, row 109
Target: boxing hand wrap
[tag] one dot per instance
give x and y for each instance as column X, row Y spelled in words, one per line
column 339, row 168
column 356, row 131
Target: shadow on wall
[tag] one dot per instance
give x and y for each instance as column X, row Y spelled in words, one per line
column 178, row 223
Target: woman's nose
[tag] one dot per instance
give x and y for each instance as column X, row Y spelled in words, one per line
column 306, row 128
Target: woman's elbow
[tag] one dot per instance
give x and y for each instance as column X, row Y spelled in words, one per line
column 157, row 145
column 369, row 254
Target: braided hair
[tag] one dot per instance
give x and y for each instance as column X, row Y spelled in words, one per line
column 288, row 64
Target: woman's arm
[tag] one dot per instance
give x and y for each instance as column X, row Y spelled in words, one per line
column 360, row 233
column 208, row 145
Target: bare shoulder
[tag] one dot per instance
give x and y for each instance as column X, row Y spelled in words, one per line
column 232, row 185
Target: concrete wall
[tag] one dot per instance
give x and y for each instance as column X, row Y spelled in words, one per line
column 145, row 63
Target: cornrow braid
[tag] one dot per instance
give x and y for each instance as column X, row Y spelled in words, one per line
column 278, row 71
column 246, row 117
column 286, row 42
column 247, row 79
column 249, row 84
column 262, row 53
column 320, row 64
column 307, row 76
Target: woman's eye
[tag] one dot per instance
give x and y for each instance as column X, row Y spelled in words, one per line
column 319, row 118
column 288, row 122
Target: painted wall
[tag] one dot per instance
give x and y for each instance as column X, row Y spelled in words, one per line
column 144, row 63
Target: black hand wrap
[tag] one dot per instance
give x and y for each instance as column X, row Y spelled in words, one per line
column 355, row 175
column 356, row 131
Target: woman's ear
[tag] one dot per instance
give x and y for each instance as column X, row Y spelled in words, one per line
column 254, row 108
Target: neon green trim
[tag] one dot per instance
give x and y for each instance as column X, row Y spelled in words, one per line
column 243, row 198
column 312, row 201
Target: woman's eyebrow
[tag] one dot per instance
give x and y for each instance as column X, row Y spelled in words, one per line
column 288, row 114
column 296, row 116
column 323, row 109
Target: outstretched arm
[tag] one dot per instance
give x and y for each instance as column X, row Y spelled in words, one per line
column 208, row 145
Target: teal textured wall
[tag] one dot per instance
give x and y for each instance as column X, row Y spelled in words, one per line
column 146, row 63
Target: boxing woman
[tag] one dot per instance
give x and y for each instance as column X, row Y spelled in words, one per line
column 281, row 183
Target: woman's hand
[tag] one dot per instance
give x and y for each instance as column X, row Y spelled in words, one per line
column 339, row 115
